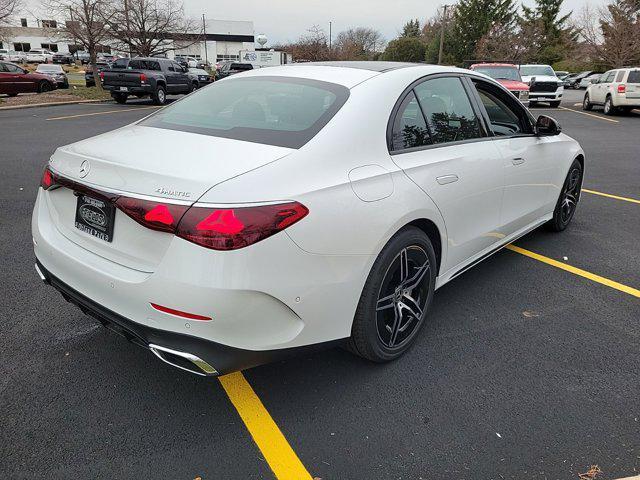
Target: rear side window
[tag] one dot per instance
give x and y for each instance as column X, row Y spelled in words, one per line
column 120, row 63
column 620, row 76
column 447, row 110
column 280, row 111
column 634, row 76
column 410, row 127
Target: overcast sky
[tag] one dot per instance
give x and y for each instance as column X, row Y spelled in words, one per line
column 283, row 20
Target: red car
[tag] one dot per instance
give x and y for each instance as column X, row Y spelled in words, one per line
column 506, row 74
column 15, row 79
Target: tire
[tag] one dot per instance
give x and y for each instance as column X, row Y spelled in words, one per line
column 586, row 104
column 194, row 87
column 44, row 87
column 378, row 334
column 554, row 104
column 568, row 200
column 609, row 109
column 12, row 94
column 120, row 98
column 159, row 96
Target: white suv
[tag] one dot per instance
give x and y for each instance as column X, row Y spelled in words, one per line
column 617, row 90
column 39, row 55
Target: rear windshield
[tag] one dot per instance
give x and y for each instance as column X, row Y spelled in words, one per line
column 144, row 65
column 634, row 76
column 282, row 111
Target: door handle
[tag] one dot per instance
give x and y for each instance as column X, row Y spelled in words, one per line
column 444, row 179
column 517, row 161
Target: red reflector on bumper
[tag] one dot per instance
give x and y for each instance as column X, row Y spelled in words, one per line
column 178, row 313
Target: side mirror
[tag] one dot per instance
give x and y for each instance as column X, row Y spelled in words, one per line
column 185, row 69
column 547, row 126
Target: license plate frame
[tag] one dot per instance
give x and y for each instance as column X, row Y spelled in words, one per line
column 95, row 217
column 123, row 89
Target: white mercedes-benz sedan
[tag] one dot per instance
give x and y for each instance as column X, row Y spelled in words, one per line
column 297, row 206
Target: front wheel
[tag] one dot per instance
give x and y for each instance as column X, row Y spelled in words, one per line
column 44, row 87
column 555, row 104
column 160, row 96
column 396, row 297
column 568, row 200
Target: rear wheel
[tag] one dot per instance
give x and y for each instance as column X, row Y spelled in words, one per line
column 586, row 104
column 12, row 94
column 568, row 200
column 395, row 298
column 44, row 87
column 120, row 98
column 160, row 95
column 555, row 104
column 609, row 109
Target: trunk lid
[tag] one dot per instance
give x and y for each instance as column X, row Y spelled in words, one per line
column 137, row 160
column 122, row 78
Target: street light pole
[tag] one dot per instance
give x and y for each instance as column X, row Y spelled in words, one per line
column 204, row 29
column 442, row 24
column 329, row 36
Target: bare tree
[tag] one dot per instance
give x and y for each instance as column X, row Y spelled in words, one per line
column 86, row 25
column 7, row 7
column 310, row 47
column 611, row 33
column 153, row 27
column 360, row 43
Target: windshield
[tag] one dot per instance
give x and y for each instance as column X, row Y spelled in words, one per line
column 282, row 111
column 530, row 70
column 500, row 73
column 49, row 68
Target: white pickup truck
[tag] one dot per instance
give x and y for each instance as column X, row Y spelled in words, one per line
column 544, row 85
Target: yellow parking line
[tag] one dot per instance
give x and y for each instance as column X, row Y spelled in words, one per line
column 590, row 115
column 101, row 113
column 576, row 271
column 283, row 461
column 608, row 195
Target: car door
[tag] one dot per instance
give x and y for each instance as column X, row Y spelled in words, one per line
column 6, row 80
column 20, row 79
column 601, row 88
column 182, row 79
column 528, row 160
column 438, row 140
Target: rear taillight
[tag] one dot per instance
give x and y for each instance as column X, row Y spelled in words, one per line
column 233, row 228
column 47, row 178
column 622, row 88
column 101, row 75
column 163, row 217
column 143, row 78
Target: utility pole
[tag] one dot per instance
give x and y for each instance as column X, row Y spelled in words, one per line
column 329, row 37
column 442, row 25
column 204, row 29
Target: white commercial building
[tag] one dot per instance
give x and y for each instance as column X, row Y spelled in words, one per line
column 223, row 40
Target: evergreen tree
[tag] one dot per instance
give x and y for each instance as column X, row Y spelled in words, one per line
column 555, row 35
column 411, row 29
column 473, row 19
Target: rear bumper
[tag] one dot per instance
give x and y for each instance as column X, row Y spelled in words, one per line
column 193, row 354
column 623, row 101
column 147, row 89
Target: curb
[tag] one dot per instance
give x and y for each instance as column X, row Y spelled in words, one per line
column 51, row 104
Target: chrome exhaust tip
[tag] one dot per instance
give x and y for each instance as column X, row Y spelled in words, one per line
column 193, row 363
column 40, row 274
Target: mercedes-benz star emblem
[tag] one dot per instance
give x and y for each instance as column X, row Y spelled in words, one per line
column 84, row 168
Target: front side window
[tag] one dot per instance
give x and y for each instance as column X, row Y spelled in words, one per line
column 13, row 68
column 504, row 121
column 280, row 111
column 448, row 111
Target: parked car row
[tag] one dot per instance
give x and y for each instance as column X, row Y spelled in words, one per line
column 14, row 80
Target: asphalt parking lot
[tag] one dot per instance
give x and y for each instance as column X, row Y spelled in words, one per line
column 529, row 366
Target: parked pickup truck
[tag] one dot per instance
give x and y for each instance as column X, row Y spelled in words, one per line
column 152, row 77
